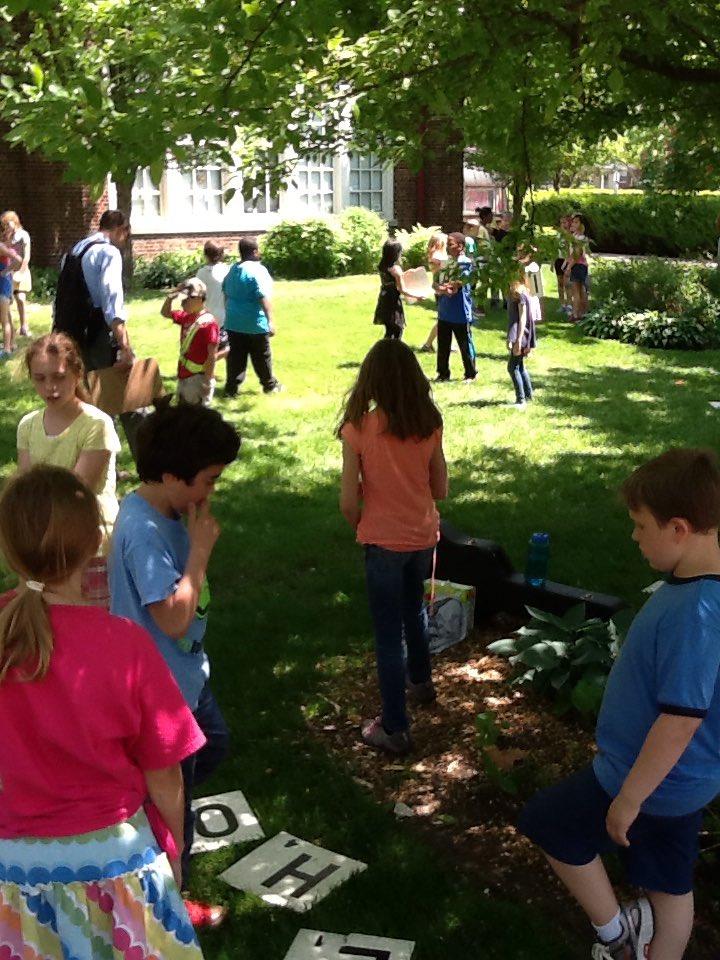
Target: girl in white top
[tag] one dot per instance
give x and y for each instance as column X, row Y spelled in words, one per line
column 68, row 432
column 22, row 281
column 437, row 258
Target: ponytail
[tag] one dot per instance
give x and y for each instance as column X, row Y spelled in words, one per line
column 49, row 522
column 26, row 640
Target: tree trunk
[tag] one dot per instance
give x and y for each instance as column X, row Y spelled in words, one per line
column 124, row 201
column 519, row 189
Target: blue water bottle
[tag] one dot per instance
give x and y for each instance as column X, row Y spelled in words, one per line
column 537, row 559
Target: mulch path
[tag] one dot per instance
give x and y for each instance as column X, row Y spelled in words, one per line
column 444, row 791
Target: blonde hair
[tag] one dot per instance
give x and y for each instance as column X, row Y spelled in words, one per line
column 49, row 521
column 9, row 216
column 67, row 351
column 437, row 242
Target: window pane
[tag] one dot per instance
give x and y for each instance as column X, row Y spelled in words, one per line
column 327, row 180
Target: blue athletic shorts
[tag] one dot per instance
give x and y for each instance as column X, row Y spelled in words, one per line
column 567, row 821
column 6, row 286
column 578, row 273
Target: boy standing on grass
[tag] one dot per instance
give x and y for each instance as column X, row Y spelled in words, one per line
column 158, row 569
column 199, row 335
column 455, row 312
column 658, row 733
column 249, row 320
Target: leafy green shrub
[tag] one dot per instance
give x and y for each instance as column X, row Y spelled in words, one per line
column 167, row 269
column 414, row 243
column 567, row 658
column 44, row 281
column 652, row 303
column 306, row 249
column 663, row 224
column 366, row 232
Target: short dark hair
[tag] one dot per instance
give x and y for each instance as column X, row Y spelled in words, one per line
column 112, row 219
column 683, row 482
column 485, row 213
column 213, row 251
column 183, row 440
column 247, row 247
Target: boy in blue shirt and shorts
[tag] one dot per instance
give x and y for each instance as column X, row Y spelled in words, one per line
column 658, row 732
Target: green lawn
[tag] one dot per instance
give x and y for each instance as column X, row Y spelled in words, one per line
column 288, row 590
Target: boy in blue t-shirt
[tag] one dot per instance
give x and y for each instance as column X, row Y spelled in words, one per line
column 455, row 304
column 658, row 733
column 157, row 572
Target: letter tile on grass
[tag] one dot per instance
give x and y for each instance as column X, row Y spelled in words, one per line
column 289, row 872
column 318, row 945
column 224, row 819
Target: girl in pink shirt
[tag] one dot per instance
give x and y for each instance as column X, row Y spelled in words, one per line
column 393, row 471
column 93, row 731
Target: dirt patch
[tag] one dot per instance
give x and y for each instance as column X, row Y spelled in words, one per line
column 448, row 795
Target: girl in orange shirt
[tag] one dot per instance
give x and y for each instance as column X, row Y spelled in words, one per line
column 393, row 471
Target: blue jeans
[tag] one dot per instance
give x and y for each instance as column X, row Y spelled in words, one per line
column 198, row 767
column 395, row 594
column 520, row 378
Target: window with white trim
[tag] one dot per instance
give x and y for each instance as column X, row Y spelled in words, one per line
column 366, row 182
column 202, row 190
column 145, row 195
column 262, row 198
column 315, row 178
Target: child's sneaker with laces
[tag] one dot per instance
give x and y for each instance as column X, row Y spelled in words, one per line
column 204, row 915
column 375, row 735
column 636, row 918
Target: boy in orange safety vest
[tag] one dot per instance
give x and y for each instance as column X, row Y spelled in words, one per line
column 199, row 334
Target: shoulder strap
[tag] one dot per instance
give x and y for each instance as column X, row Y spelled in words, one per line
column 93, row 243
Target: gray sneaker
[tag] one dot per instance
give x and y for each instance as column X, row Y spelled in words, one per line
column 375, row 735
column 636, row 918
column 423, row 693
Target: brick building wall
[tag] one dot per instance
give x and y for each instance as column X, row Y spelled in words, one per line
column 434, row 196
column 150, row 245
column 55, row 213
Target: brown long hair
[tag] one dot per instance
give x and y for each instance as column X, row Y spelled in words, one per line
column 65, row 349
column 392, row 380
column 49, row 521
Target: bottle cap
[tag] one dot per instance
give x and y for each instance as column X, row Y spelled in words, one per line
column 541, row 538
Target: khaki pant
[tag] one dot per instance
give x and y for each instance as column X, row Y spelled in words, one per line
column 196, row 389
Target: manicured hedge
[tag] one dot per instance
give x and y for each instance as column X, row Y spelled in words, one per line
column 655, row 303
column 326, row 246
column 634, row 222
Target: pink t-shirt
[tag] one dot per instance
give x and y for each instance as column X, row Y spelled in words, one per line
column 74, row 745
column 399, row 511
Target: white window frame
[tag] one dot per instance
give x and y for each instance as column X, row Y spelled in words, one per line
column 233, row 219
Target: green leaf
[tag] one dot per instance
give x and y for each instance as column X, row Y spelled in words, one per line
column 503, row 648
column 156, row 171
column 559, row 680
column 92, row 92
column 546, row 617
column 541, row 656
column 616, row 81
column 37, row 74
column 587, row 696
column 574, row 617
